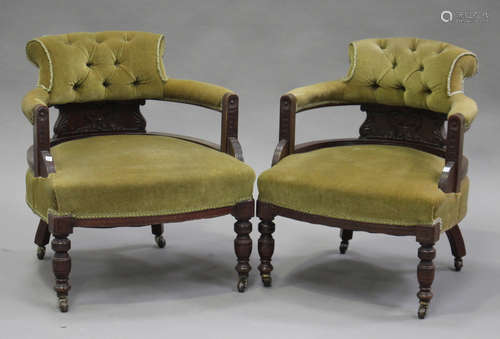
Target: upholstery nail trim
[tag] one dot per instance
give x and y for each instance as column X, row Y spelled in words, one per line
column 140, row 214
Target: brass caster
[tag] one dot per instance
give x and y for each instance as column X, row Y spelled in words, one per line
column 160, row 241
column 343, row 246
column 267, row 280
column 63, row 304
column 40, row 252
column 242, row 284
column 422, row 310
column 459, row 263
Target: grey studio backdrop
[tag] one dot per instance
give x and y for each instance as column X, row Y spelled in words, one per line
column 125, row 287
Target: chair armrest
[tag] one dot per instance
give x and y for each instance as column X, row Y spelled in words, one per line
column 211, row 96
column 235, row 149
column 322, row 94
column 460, row 103
column 280, row 151
column 195, row 93
column 37, row 96
column 319, row 95
column 42, row 159
column 456, row 164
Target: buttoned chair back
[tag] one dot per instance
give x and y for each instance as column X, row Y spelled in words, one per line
column 113, row 65
column 409, row 72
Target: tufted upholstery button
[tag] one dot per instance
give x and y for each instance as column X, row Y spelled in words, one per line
column 100, row 66
column 406, row 71
column 374, row 84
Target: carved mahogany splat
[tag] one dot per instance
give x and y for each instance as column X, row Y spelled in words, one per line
column 78, row 119
column 403, row 124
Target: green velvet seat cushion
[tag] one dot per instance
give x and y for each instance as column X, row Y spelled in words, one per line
column 368, row 183
column 137, row 175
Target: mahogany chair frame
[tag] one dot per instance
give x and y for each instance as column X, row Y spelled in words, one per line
column 384, row 125
column 83, row 120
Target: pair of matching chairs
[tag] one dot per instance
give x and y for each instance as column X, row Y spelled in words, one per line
column 404, row 175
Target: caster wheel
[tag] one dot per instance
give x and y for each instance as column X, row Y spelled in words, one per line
column 459, row 263
column 63, row 304
column 40, row 252
column 267, row 280
column 242, row 284
column 160, row 241
column 343, row 247
column 422, row 311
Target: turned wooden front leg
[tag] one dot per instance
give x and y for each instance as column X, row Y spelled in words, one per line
column 243, row 249
column 61, row 227
column 243, row 211
column 425, row 273
column 266, row 250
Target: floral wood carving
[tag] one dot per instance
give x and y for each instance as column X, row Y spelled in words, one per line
column 403, row 124
column 99, row 117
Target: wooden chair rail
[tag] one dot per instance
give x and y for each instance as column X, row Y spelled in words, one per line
column 267, row 211
column 313, row 145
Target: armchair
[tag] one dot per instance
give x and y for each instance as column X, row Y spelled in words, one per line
column 404, row 175
column 102, row 169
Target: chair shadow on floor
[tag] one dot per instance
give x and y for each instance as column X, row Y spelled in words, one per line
column 331, row 274
column 141, row 273
column 358, row 277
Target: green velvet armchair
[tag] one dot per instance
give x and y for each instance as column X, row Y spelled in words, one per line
column 102, row 169
column 404, row 175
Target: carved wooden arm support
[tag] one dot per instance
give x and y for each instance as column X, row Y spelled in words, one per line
column 43, row 163
column 288, row 110
column 456, row 164
column 235, row 149
column 211, row 96
column 229, row 126
column 280, row 152
column 288, row 104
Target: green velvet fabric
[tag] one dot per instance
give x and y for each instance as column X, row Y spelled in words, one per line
column 112, row 65
column 37, row 96
column 137, row 175
column 402, row 72
column 368, row 183
column 195, row 93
